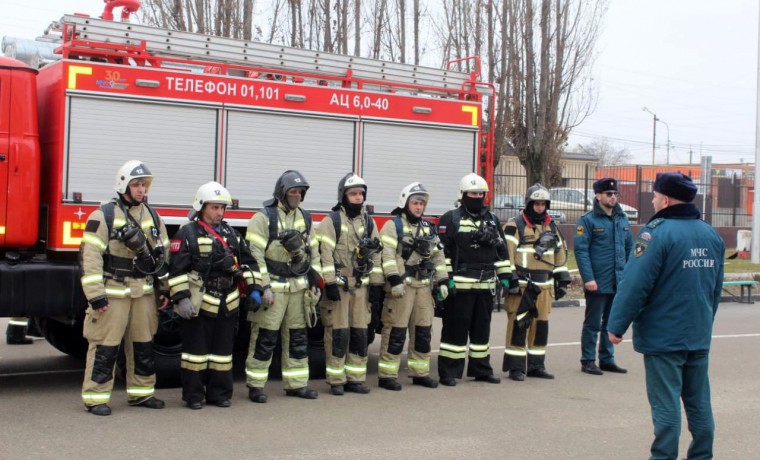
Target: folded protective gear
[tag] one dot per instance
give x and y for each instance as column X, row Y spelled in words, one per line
column 398, row 291
column 267, row 298
column 527, row 310
column 443, row 292
column 332, row 292
column 185, row 308
column 253, row 301
column 560, row 291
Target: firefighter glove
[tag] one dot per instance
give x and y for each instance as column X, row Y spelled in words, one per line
column 267, row 298
column 185, row 309
column 253, row 301
column 452, row 287
column 443, row 292
column 398, row 291
column 560, row 291
column 332, row 292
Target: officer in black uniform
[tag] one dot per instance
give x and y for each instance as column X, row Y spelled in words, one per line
column 211, row 266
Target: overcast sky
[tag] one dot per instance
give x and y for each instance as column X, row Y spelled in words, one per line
column 692, row 62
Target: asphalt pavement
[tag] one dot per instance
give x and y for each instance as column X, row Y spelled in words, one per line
column 575, row 416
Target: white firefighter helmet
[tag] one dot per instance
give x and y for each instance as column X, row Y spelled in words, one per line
column 132, row 169
column 350, row 181
column 211, row 192
column 537, row 192
column 415, row 188
column 472, row 183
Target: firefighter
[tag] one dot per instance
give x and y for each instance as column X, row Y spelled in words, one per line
column 124, row 261
column 476, row 261
column 350, row 252
column 15, row 333
column 211, row 267
column 539, row 254
column 412, row 263
column 283, row 241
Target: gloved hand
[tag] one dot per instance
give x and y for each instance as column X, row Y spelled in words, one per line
column 253, row 301
column 267, row 298
column 443, row 292
column 398, row 291
column 332, row 292
column 185, row 308
column 452, row 287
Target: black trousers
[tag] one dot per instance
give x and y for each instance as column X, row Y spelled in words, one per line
column 468, row 313
column 207, row 357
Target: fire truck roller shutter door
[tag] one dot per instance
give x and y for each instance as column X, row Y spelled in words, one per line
column 315, row 146
column 437, row 157
column 178, row 142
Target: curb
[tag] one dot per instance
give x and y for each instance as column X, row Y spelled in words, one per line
column 569, row 303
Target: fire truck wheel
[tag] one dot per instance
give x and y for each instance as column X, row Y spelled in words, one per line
column 67, row 339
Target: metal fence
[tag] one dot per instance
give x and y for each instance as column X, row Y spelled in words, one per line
column 725, row 198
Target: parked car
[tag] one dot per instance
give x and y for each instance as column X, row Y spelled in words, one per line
column 575, row 202
column 508, row 206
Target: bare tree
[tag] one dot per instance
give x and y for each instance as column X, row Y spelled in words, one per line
column 551, row 52
column 225, row 18
column 607, row 153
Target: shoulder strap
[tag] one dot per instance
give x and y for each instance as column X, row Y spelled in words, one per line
column 108, row 214
column 307, row 220
column 335, row 217
column 369, row 222
column 456, row 218
column 154, row 215
column 273, row 216
column 520, row 224
column 399, row 227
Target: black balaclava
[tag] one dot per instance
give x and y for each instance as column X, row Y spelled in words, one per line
column 533, row 216
column 473, row 205
column 414, row 220
column 352, row 210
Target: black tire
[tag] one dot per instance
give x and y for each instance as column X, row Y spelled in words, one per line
column 66, row 338
column 167, row 351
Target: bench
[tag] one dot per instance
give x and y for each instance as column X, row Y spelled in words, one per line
column 744, row 286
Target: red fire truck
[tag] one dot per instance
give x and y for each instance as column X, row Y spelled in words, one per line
column 196, row 108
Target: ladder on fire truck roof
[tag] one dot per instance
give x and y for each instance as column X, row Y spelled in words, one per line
column 193, row 46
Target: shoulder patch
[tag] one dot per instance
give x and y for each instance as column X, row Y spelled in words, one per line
column 92, row 226
column 639, row 248
column 646, row 236
column 442, row 229
column 175, row 245
column 579, row 230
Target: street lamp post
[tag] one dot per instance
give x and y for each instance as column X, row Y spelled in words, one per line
column 654, row 134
